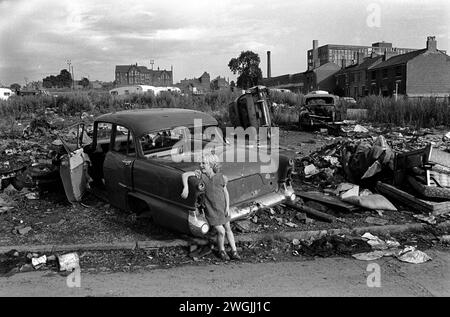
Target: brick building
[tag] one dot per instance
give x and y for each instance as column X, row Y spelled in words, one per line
column 219, row 83
column 320, row 78
column 196, row 85
column 353, row 81
column 346, row 55
column 141, row 75
column 422, row 73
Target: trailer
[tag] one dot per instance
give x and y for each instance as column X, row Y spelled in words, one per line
column 141, row 89
column 5, row 93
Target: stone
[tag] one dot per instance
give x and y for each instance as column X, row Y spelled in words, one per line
column 23, row 231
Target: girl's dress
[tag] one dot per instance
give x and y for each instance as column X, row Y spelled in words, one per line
column 214, row 198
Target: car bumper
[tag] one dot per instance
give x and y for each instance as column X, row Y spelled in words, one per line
column 198, row 225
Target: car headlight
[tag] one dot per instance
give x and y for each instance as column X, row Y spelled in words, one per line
column 205, row 228
column 292, row 197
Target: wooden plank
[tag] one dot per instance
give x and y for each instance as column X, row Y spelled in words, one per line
column 436, row 208
column 328, row 200
column 312, row 212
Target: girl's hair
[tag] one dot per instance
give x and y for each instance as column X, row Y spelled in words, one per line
column 212, row 160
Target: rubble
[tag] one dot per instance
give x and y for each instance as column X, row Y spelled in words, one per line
column 68, row 262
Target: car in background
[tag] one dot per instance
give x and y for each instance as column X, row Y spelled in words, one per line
column 319, row 109
column 137, row 158
column 348, row 100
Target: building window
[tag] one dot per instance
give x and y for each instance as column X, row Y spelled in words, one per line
column 398, row 71
column 385, row 73
column 374, row 75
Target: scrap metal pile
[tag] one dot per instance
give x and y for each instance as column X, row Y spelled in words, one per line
column 372, row 168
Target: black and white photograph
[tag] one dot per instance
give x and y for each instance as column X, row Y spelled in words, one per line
column 226, row 156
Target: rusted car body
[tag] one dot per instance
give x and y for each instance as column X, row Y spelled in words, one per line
column 253, row 108
column 319, row 109
column 137, row 158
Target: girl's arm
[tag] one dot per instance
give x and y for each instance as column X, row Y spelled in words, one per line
column 184, row 178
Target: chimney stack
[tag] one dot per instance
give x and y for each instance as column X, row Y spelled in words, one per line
column 315, row 54
column 431, row 43
column 268, row 65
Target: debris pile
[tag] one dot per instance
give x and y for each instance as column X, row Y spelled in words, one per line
column 373, row 167
column 15, row 262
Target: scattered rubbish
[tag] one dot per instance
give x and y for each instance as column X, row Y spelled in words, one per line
column 36, row 262
column 291, row 224
column 295, row 241
column 374, row 202
column 310, row 170
column 246, row 226
column 32, row 196
column 68, row 262
column 312, row 212
column 369, row 256
column 22, row 230
column 360, row 129
column 428, row 219
column 255, row 219
column 334, row 245
column 345, row 190
column 411, row 255
column 376, row 221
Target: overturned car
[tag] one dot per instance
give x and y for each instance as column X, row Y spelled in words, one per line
column 136, row 159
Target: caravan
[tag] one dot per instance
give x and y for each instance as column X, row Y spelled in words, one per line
column 141, row 89
column 5, row 93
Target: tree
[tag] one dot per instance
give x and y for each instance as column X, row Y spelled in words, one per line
column 64, row 79
column 15, row 87
column 84, row 82
column 247, row 66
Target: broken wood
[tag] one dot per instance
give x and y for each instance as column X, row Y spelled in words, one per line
column 429, row 191
column 311, row 211
column 328, row 200
column 436, row 208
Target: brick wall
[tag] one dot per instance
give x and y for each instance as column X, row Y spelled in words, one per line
column 428, row 74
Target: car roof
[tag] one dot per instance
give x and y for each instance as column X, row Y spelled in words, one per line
column 142, row 121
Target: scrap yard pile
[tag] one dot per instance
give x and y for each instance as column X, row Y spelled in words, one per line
column 381, row 169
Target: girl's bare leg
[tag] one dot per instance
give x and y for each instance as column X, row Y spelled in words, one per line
column 230, row 236
column 220, row 237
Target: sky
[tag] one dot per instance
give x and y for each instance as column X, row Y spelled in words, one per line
column 38, row 37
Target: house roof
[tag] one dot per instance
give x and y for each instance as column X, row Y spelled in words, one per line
column 142, row 121
column 399, row 59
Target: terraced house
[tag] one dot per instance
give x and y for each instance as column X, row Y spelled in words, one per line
column 141, row 75
column 420, row 73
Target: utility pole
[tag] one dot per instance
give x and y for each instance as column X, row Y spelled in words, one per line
column 73, row 80
column 69, row 62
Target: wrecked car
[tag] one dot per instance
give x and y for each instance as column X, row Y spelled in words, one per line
column 253, row 108
column 319, row 109
column 137, row 158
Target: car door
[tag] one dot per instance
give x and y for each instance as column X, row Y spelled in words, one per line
column 118, row 166
column 73, row 169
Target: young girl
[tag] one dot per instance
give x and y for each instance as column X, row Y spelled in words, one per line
column 217, row 202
